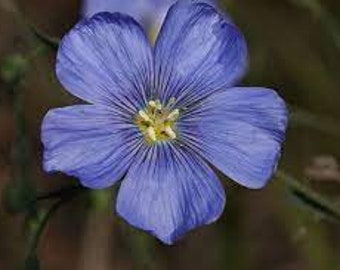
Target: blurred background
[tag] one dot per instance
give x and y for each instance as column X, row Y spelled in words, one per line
column 292, row 224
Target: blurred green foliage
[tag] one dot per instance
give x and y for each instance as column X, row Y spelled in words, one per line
column 13, row 68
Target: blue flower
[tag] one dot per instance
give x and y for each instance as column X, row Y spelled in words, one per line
column 149, row 13
column 159, row 117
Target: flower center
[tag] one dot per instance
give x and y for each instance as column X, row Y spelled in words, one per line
column 157, row 123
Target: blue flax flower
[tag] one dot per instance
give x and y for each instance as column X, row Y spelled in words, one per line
column 149, row 13
column 159, row 117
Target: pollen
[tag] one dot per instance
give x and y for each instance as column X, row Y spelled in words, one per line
column 157, row 122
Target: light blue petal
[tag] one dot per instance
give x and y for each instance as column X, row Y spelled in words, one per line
column 198, row 52
column 149, row 13
column 106, row 59
column 146, row 12
column 240, row 131
column 92, row 143
column 132, row 8
column 170, row 191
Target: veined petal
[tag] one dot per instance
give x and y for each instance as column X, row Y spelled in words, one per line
column 132, row 8
column 197, row 53
column 89, row 142
column 170, row 191
column 147, row 12
column 240, row 131
column 106, row 59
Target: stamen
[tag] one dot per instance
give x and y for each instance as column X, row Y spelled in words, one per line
column 144, row 115
column 155, row 104
column 152, row 103
column 172, row 101
column 168, row 130
column 157, row 122
column 151, row 133
column 173, row 115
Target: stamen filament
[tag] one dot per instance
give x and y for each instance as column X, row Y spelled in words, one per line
column 151, row 133
column 173, row 115
column 144, row 116
column 168, row 130
column 155, row 104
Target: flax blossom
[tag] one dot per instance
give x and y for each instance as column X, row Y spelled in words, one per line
column 158, row 117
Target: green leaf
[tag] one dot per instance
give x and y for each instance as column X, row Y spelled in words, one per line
column 310, row 198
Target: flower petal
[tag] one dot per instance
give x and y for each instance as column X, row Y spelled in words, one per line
column 132, row 8
column 88, row 142
column 144, row 11
column 198, row 52
column 239, row 131
column 170, row 191
column 106, row 59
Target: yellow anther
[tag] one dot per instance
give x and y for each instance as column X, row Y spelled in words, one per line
column 152, row 104
column 173, row 115
column 144, row 116
column 150, row 131
column 168, row 131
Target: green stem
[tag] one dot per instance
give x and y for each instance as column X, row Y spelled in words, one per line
column 42, row 222
column 62, row 192
column 311, row 198
column 44, row 38
column 40, row 225
column 330, row 22
column 142, row 249
column 22, row 151
column 21, row 158
column 36, row 33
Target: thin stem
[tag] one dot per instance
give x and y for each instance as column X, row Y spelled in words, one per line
column 33, row 243
column 43, row 37
column 22, row 151
column 62, row 192
column 311, row 198
column 35, row 33
column 142, row 249
column 330, row 22
column 42, row 221
column 21, row 157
